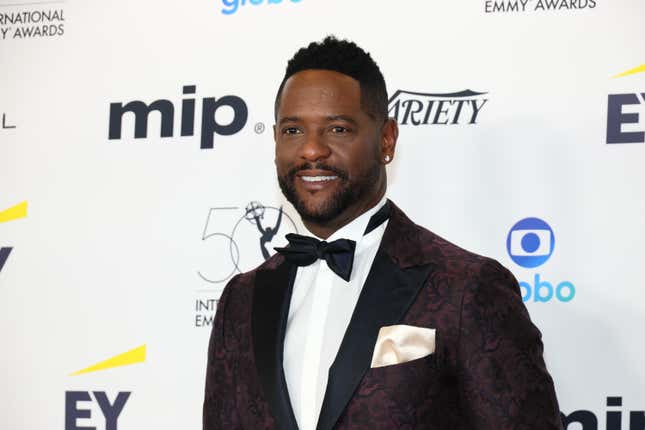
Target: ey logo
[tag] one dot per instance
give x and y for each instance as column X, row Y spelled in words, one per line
column 624, row 124
column 13, row 213
column 110, row 410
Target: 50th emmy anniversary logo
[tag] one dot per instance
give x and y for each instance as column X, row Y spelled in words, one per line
column 234, row 240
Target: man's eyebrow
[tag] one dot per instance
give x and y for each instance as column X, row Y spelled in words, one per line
column 288, row 119
column 342, row 118
column 345, row 118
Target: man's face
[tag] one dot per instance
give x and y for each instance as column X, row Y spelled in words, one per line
column 328, row 149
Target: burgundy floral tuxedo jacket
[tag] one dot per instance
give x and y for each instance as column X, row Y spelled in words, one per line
column 487, row 371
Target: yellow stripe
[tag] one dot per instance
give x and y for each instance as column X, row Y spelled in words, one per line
column 639, row 69
column 14, row 212
column 136, row 355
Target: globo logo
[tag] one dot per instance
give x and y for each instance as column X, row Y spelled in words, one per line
column 530, row 243
column 232, row 6
column 544, row 291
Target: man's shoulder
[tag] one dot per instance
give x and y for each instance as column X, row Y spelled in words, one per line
column 456, row 270
column 448, row 259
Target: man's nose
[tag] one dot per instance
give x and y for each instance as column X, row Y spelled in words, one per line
column 314, row 148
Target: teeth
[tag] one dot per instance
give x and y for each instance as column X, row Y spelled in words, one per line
column 318, row 178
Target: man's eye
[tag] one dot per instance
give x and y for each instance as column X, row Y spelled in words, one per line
column 337, row 129
column 290, row 130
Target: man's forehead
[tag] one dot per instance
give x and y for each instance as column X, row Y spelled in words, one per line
column 321, row 80
column 311, row 88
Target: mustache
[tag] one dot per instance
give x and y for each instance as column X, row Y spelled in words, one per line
column 342, row 174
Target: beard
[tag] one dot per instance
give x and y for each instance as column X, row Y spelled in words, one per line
column 348, row 192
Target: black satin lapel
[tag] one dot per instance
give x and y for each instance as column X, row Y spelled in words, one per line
column 271, row 299
column 386, row 296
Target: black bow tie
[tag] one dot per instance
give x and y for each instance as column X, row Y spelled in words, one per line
column 339, row 254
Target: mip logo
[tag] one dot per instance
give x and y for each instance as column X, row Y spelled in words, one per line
column 222, row 116
column 530, row 243
column 613, row 417
column 624, row 124
column 232, row 6
column 414, row 108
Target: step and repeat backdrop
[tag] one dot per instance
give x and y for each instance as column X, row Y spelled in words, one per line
column 137, row 177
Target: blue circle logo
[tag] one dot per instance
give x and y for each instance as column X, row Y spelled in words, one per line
column 530, row 242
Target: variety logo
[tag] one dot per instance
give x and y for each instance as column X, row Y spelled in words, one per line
column 614, row 418
column 621, row 114
column 213, row 119
column 506, row 6
column 109, row 410
column 5, row 123
column 530, row 243
column 30, row 24
column 237, row 239
column 416, row 108
column 232, row 6
column 13, row 213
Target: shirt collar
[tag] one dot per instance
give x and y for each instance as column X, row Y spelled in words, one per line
column 355, row 228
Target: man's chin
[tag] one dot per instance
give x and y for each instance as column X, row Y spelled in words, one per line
column 318, row 207
column 317, row 210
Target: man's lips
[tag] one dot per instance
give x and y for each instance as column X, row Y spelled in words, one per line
column 316, row 179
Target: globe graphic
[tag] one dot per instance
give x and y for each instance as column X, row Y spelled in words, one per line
column 253, row 211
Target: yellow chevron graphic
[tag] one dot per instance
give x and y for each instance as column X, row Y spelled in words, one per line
column 639, row 69
column 14, row 212
column 136, row 355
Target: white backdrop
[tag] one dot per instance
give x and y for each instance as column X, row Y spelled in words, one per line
column 126, row 242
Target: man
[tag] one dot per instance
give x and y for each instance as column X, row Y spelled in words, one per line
column 375, row 323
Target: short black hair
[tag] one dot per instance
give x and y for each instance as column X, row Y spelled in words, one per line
column 342, row 56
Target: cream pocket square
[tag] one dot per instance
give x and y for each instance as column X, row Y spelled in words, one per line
column 400, row 343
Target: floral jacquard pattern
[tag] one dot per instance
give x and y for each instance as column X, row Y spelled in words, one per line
column 487, row 371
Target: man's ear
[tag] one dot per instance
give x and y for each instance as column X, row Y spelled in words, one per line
column 389, row 136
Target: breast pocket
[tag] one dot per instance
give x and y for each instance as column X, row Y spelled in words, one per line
column 406, row 384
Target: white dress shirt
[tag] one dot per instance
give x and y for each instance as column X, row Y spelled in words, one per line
column 321, row 306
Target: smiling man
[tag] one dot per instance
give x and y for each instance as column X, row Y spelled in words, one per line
column 372, row 322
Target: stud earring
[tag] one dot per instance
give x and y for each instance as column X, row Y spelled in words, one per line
column 387, row 158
